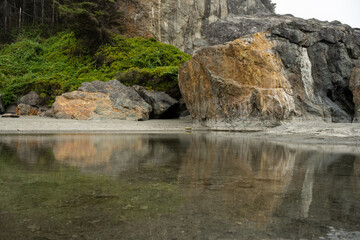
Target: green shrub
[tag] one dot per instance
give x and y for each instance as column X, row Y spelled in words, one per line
column 126, row 53
column 61, row 63
column 158, row 79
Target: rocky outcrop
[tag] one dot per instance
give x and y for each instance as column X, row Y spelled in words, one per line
column 25, row 109
column 181, row 23
column 101, row 100
column 113, row 100
column 163, row 106
column 295, row 69
column 1, row 105
column 31, row 104
column 241, row 83
column 32, row 99
column 236, row 26
column 355, row 89
column 11, row 108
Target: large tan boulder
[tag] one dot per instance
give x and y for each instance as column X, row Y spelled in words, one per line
column 239, row 84
column 102, row 100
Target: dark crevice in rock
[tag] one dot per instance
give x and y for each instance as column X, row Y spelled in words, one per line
column 205, row 18
column 343, row 98
column 163, row 106
column 326, row 42
column 171, row 113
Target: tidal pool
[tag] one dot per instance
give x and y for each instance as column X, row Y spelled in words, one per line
column 175, row 186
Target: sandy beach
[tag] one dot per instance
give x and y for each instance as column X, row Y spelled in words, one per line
column 294, row 132
column 28, row 125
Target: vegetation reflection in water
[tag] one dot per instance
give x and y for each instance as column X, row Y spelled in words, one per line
column 43, row 188
column 161, row 186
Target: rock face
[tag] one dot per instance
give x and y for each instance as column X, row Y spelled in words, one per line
column 163, row 106
column 241, row 82
column 11, row 109
column 181, row 23
column 355, row 89
column 296, row 69
column 1, row 105
column 32, row 99
column 25, row 109
column 102, row 100
column 31, row 104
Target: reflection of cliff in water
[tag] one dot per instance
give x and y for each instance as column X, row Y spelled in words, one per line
column 228, row 181
column 264, row 184
column 247, row 177
column 324, row 189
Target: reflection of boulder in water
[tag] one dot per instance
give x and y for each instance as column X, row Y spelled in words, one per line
column 232, row 184
column 251, row 175
column 97, row 151
column 106, row 154
column 79, row 151
column 268, row 184
column 113, row 154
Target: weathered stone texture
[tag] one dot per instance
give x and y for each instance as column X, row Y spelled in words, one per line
column 32, row 99
column 242, row 81
column 11, row 108
column 181, row 23
column 302, row 67
column 25, row 109
column 355, row 89
column 102, row 100
column 163, row 106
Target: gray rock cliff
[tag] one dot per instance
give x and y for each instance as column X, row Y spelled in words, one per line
column 280, row 69
column 182, row 23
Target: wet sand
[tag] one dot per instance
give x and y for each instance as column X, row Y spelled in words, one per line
column 294, row 132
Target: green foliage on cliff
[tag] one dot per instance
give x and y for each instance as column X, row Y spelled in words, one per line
column 61, row 63
column 160, row 79
column 126, row 53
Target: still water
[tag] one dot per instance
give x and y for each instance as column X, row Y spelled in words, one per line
column 175, row 186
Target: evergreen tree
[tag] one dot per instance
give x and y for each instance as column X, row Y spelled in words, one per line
column 91, row 20
column 269, row 5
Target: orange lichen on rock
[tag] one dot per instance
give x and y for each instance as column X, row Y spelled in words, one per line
column 26, row 110
column 243, row 79
column 102, row 100
column 79, row 105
